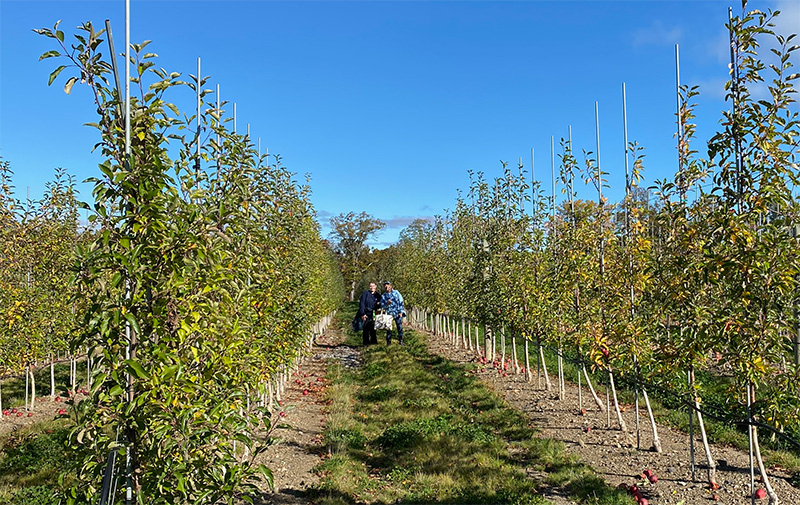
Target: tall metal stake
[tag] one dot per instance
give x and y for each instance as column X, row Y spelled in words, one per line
column 738, row 151
column 628, row 204
column 114, row 66
column 219, row 125
column 197, row 158
column 681, row 188
column 554, row 235
column 681, row 184
column 129, row 347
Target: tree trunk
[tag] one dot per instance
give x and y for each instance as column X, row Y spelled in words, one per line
column 560, row 373
column 528, row 374
column 503, row 345
column 656, row 440
column 712, row 467
column 620, row 420
column 773, row 496
column 33, row 388
column 514, row 354
column 52, row 377
column 487, row 342
column 597, row 399
column 88, row 371
column 548, row 385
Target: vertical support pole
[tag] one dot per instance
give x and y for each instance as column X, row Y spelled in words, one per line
column 682, row 185
column 128, row 349
column 628, row 204
column 219, row 125
column 197, row 158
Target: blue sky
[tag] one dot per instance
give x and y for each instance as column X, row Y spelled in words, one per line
column 388, row 104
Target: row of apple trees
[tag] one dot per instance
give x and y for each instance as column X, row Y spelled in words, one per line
column 203, row 282
column 702, row 278
column 37, row 239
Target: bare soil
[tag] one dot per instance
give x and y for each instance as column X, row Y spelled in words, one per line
column 45, row 408
column 614, row 454
column 298, row 446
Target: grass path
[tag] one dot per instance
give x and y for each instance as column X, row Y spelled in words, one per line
column 409, row 427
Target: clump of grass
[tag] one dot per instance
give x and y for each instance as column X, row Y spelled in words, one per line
column 414, row 428
column 30, row 463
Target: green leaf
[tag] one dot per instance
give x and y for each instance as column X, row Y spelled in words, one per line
column 49, row 54
column 136, row 369
column 132, row 321
column 267, row 473
column 55, row 73
column 70, row 82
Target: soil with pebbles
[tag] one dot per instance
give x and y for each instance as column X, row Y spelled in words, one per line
column 614, row 454
column 298, row 441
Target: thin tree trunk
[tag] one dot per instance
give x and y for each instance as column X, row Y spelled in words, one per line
column 33, row 388
column 597, row 399
column 656, row 440
column 493, row 353
column 271, row 398
column 773, row 496
column 514, row 353
column 548, row 385
column 712, row 467
column 528, row 374
column 620, row 420
column 560, row 373
column 503, row 345
column 52, row 377
column 487, row 342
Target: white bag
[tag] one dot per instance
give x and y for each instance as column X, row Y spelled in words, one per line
column 383, row 322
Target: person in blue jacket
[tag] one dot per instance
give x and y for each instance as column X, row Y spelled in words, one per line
column 370, row 300
column 392, row 303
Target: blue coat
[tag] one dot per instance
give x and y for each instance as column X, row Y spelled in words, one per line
column 368, row 303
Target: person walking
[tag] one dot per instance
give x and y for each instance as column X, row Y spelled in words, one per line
column 370, row 300
column 392, row 304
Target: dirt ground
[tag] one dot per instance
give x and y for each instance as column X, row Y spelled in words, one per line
column 298, row 446
column 613, row 453
column 45, row 409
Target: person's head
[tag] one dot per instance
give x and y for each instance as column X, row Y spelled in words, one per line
column 373, row 287
column 387, row 286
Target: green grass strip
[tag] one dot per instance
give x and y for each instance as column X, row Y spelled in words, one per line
column 409, row 427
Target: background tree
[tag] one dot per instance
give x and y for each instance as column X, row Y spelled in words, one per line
column 349, row 237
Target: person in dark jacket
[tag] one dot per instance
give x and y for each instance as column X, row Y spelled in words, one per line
column 370, row 301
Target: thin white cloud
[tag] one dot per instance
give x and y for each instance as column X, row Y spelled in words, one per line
column 399, row 222
column 719, row 47
column 788, row 21
column 713, row 88
column 657, row 35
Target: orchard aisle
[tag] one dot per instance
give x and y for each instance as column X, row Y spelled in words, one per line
column 613, row 454
column 298, row 446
